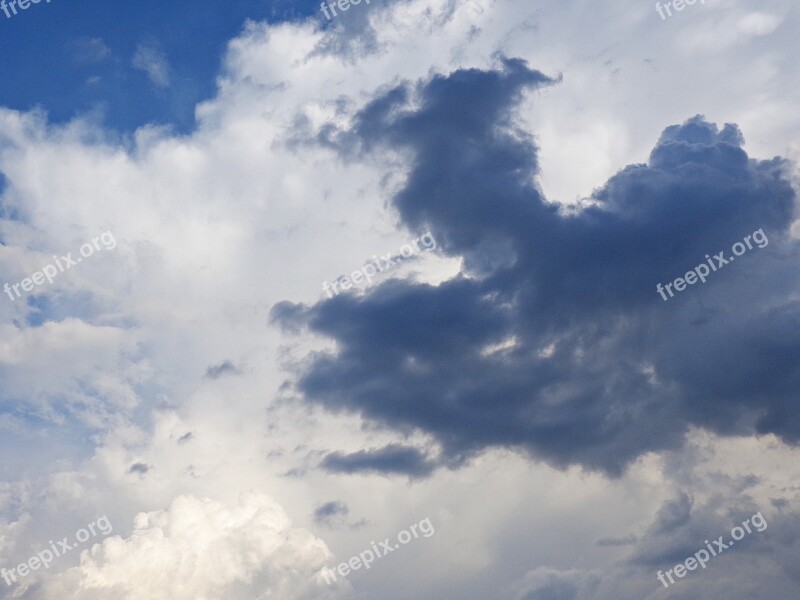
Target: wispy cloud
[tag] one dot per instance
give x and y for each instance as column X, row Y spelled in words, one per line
column 151, row 59
column 88, row 50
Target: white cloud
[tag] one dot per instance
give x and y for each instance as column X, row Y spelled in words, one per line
column 151, row 59
column 200, row 549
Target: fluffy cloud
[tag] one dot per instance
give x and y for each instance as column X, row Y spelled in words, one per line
column 201, row 549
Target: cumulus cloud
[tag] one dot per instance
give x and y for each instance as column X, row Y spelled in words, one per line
column 201, row 549
column 553, row 339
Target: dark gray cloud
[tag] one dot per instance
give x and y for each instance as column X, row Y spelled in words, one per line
column 393, row 458
column 330, row 511
column 139, row 468
column 553, row 339
column 186, row 437
column 224, row 368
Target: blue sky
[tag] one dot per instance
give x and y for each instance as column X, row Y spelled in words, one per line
column 72, row 58
column 521, row 384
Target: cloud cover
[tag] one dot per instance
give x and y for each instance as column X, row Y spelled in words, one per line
column 216, row 227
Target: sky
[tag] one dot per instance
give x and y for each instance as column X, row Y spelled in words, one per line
column 431, row 299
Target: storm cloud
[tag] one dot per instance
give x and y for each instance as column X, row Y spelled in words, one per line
column 552, row 340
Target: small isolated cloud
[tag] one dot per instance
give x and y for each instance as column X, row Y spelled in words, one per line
column 88, row 50
column 224, row 368
column 391, row 459
column 151, row 59
column 139, row 468
column 330, row 512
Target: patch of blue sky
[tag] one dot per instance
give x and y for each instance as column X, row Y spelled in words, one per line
column 125, row 63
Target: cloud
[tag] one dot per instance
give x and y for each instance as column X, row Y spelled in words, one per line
column 70, row 371
column 201, row 548
column 139, row 468
column 550, row 584
column 88, row 50
column 677, row 528
column 624, row 541
column 151, row 59
column 394, row 459
column 553, row 340
column 330, row 511
column 221, row 223
column 735, row 28
column 224, row 368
